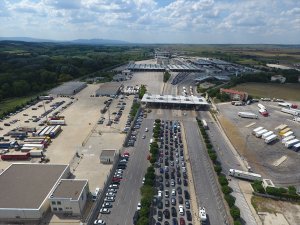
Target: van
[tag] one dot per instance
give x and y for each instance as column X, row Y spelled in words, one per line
column 95, row 194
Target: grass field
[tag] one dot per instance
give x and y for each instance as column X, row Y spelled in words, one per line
column 10, row 104
column 271, row 90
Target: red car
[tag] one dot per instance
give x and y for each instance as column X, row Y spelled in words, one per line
column 182, row 221
column 116, row 179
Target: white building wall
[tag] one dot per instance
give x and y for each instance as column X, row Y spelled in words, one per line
column 18, row 214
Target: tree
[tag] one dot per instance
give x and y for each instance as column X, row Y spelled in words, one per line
column 230, row 200
column 143, row 220
column 21, row 87
column 64, row 77
column 223, row 180
column 226, row 190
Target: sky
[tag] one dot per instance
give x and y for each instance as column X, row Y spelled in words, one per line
column 155, row 21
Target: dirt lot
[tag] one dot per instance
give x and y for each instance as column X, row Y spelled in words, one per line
column 261, row 156
column 276, row 212
column 284, row 91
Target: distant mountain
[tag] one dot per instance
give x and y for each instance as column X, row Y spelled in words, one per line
column 77, row 41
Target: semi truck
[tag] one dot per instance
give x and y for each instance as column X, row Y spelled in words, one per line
column 260, row 133
column 256, row 130
column 261, row 106
column 8, row 145
column 265, row 135
column 291, row 143
column 55, row 131
column 263, row 112
column 57, row 122
column 37, row 146
column 289, row 133
column 42, row 133
column 36, row 153
column 282, row 132
column 16, row 156
column 204, row 123
column 270, row 138
column 47, row 133
column 244, row 175
column 247, row 115
column 284, row 140
column 293, row 112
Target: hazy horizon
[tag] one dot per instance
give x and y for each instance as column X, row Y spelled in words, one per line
column 154, row 22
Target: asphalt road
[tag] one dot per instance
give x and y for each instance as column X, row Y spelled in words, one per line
column 206, row 187
column 128, row 194
column 229, row 161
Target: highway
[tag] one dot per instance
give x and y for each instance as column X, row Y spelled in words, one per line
column 229, row 159
column 128, row 194
column 206, row 187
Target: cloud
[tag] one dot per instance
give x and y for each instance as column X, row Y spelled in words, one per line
column 188, row 21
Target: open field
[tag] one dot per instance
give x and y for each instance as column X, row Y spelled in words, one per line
column 10, row 104
column 271, row 90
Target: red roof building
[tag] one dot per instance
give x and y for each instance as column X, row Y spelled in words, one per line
column 235, row 95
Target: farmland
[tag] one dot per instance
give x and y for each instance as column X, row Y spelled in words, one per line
column 271, row 90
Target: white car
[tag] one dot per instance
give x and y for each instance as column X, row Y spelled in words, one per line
column 110, row 194
column 114, row 186
column 109, row 199
column 159, row 194
column 112, row 190
column 143, row 180
column 104, row 211
column 99, row 222
column 173, row 192
column 146, row 130
column 138, row 208
column 181, row 210
column 144, row 136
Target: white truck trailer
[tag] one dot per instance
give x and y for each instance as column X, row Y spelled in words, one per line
column 257, row 129
column 289, row 133
column 260, row 133
column 261, row 106
column 284, row 140
column 265, row 135
column 291, row 143
column 244, row 175
column 42, row 133
column 270, row 138
column 57, row 122
column 37, row 146
column 291, row 111
column 247, row 115
column 285, row 104
column 36, row 153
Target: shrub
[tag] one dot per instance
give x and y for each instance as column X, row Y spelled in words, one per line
column 213, row 156
column 218, row 169
column 208, row 145
column 257, row 186
column 292, row 190
column 235, row 212
column 237, row 222
column 226, row 190
column 223, row 180
column 230, row 200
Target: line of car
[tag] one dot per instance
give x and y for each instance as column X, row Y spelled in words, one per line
column 172, row 179
column 111, row 193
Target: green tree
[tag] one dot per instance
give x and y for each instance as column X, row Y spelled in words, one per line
column 230, row 200
column 21, row 87
column 235, row 212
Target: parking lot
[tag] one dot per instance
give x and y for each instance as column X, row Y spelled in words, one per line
column 172, row 203
column 260, row 156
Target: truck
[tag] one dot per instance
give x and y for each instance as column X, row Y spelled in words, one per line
column 270, row 138
column 47, row 133
column 256, row 130
column 293, row 112
column 42, row 133
column 263, row 112
column 291, row 143
column 204, row 123
column 55, row 131
column 39, row 131
column 244, row 175
column 281, row 127
column 296, row 147
column 282, row 132
column 8, row 145
column 17, row 133
column 247, row 115
column 56, row 122
column 260, row 133
column 202, row 215
column 46, row 97
column 16, row 156
column 261, row 106
column 36, row 153
column 284, row 140
column 289, row 133
column 265, row 135
column 27, row 129
column 37, row 146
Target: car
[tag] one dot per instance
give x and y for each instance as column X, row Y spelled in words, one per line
column 112, row 190
column 113, row 186
column 106, row 205
column 167, row 203
column 166, row 223
column 180, row 199
column 160, row 178
column 99, row 222
column 167, row 183
column 173, row 192
column 109, row 199
column 173, row 201
column 187, row 204
column 181, row 210
column 144, row 136
column 167, row 194
column 138, row 208
column 159, row 216
column 159, row 194
column 161, row 186
column 159, row 205
column 179, row 190
column 136, row 217
column 186, row 194
column 143, row 180
column 172, row 183
column 182, row 221
column 104, row 211
column 110, row 194
column 185, row 182
column 146, row 129
column 188, row 215
column 167, row 214
column 174, row 212
column 174, row 220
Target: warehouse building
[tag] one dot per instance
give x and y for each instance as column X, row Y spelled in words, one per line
column 69, row 197
column 235, row 95
column 110, row 89
column 68, row 88
column 25, row 189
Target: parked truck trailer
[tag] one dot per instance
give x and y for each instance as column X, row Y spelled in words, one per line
column 291, row 143
column 270, row 138
column 256, row 130
column 247, row 115
column 265, row 135
column 16, row 156
column 244, row 175
column 56, row 122
column 293, row 112
column 260, row 133
column 284, row 140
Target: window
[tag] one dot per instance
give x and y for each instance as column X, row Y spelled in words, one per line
column 60, row 209
column 58, row 203
column 55, row 209
column 53, row 203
